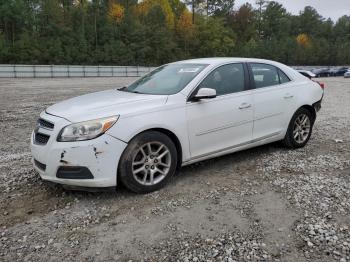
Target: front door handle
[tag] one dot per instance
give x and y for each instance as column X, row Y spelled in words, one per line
column 244, row 106
column 287, row 96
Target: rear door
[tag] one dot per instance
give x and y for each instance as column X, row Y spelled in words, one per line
column 273, row 99
column 223, row 122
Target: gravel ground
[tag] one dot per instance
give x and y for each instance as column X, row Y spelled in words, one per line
column 263, row 204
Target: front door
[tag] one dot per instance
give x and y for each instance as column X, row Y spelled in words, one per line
column 223, row 122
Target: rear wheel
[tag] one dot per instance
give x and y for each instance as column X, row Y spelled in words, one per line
column 148, row 162
column 299, row 129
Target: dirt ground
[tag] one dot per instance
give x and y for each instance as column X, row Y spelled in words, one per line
column 263, row 204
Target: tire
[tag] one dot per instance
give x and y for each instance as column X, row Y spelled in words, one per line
column 296, row 136
column 142, row 169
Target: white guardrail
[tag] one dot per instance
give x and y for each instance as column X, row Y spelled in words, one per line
column 50, row 71
column 316, row 67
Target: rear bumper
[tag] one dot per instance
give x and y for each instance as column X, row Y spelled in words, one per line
column 318, row 105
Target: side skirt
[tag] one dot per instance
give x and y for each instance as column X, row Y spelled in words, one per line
column 246, row 145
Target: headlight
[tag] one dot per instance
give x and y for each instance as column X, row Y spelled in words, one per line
column 86, row 130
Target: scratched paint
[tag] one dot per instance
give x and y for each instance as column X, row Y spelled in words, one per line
column 97, row 152
column 63, row 153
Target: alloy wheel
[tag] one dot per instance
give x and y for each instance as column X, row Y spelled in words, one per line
column 302, row 128
column 151, row 163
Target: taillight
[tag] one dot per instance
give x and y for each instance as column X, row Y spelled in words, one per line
column 322, row 85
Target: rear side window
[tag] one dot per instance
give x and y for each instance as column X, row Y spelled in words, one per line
column 265, row 75
column 283, row 77
column 225, row 79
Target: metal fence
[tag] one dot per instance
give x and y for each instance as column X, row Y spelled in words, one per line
column 50, row 71
column 317, row 67
column 37, row 71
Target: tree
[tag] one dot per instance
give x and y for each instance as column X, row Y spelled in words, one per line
column 14, row 16
column 196, row 6
column 212, row 38
column 178, row 8
column 243, row 23
column 310, row 21
column 341, row 36
column 116, row 12
column 147, row 5
column 185, row 28
column 261, row 4
column 152, row 32
column 274, row 21
column 158, row 36
column 303, row 40
column 220, row 7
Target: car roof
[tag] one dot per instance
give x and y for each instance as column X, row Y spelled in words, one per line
column 221, row 60
column 217, row 61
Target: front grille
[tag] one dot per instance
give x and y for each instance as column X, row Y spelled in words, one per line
column 39, row 165
column 45, row 124
column 41, row 139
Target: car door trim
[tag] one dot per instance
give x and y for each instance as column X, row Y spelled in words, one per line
column 261, row 118
column 216, row 129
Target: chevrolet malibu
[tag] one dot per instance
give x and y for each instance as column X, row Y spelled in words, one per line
column 178, row 114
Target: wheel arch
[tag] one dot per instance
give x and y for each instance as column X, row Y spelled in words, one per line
column 311, row 109
column 174, row 138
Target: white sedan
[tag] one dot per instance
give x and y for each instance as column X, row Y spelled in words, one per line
column 178, row 114
column 347, row 74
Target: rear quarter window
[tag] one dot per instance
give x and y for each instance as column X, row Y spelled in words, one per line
column 283, row 77
column 264, row 75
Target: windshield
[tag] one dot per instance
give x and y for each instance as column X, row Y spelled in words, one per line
column 166, row 80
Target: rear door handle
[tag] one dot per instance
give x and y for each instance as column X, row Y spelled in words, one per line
column 287, row 96
column 244, row 106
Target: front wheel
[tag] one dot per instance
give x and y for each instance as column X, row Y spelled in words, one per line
column 299, row 129
column 148, row 162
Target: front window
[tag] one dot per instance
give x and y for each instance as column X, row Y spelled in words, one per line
column 226, row 79
column 166, row 80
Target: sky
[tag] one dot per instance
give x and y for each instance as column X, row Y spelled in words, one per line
column 327, row 8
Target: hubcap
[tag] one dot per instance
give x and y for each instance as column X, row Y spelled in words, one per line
column 301, row 130
column 151, row 163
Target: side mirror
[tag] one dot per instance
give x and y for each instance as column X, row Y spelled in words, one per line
column 205, row 93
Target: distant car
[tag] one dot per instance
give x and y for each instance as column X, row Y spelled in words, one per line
column 339, row 71
column 333, row 71
column 322, row 72
column 176, row 115
column 347, row 74
column 307, row 73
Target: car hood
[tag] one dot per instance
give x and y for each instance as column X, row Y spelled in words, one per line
column 104, row 104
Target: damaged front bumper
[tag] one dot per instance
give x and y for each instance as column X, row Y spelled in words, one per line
column 91, row 163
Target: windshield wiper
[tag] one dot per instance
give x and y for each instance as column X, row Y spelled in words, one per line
column 129, row 91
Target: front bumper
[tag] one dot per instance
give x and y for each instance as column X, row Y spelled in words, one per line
column 99, row 157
